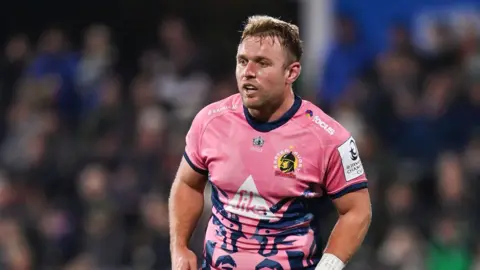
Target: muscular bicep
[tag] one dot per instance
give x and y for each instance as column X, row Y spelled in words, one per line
column 357, row 201
column 186, row 174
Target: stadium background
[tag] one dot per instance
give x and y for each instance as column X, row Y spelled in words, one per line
column 96, row 97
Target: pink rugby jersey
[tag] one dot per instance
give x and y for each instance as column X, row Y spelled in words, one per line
column 266, row 181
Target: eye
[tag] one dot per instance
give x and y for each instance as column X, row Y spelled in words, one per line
column 242, row 61
column 263, row 64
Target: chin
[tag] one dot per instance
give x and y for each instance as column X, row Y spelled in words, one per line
column 252, row 103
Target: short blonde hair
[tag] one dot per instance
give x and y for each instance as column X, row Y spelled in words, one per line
column 267, row 26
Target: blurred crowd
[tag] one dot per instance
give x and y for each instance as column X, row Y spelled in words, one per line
column 87, row 157
column 416, row 116
column 87, row 154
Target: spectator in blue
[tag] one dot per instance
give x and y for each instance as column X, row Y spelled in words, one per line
column 55, row 62
column 346, row 59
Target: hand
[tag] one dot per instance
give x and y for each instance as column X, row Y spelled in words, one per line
column 183, row 259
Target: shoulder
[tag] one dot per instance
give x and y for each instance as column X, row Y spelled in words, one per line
column 218, row 109
column 323, row 126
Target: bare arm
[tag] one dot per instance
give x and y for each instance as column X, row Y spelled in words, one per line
column 352, row 226
column 185, row 204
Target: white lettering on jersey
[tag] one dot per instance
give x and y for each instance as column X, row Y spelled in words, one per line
column 223, row 108
column 248, row 202
column 352, row 165
column 316, row 119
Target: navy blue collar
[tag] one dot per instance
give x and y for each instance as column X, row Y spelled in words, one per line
column 269, row 126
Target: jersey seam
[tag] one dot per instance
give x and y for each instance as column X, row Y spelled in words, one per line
column 315, row 133
column 211, row 119
column 208, row 123
column 310, row 126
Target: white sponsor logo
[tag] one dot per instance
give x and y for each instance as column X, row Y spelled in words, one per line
column 352, row 165
column 316, row 119
column 223, row 108
column 247, row 202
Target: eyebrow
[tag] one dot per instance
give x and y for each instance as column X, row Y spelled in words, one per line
column 255, row 58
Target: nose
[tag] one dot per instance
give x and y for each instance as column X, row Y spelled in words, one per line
column 249, row 71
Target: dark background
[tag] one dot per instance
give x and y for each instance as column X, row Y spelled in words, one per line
column 92, row 125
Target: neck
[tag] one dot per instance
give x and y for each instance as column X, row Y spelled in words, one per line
column 273, row 112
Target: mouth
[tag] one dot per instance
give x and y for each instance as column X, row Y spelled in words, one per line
column 249, row 88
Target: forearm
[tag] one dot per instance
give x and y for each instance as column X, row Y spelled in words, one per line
column 185, row 208
column 348, row 235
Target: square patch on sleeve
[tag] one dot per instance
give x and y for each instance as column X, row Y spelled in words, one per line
column 352, row 165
